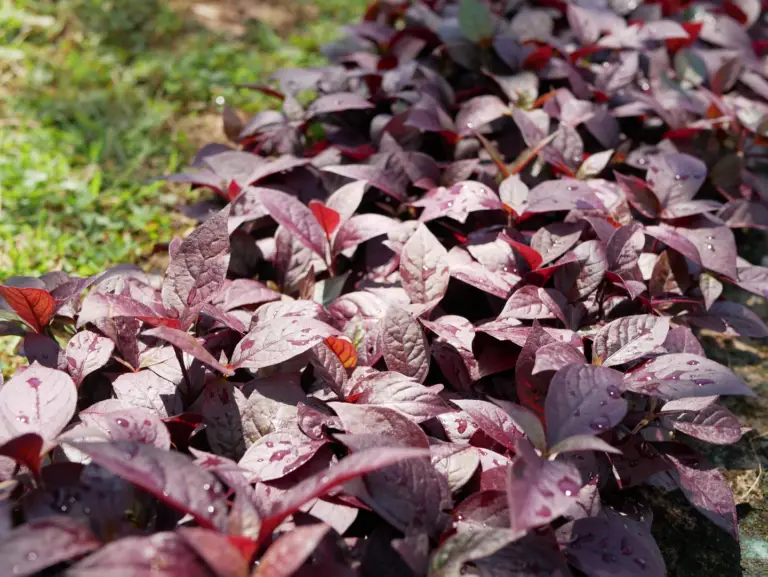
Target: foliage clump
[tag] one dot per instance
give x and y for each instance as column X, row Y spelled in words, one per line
column 438, row 316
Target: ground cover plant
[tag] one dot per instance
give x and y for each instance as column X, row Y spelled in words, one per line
column 440, row 315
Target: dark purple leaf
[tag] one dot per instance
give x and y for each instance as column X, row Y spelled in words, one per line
column 478, row 112
column 555, row 356
column 286, row 555
column 198, row 268
column 708, row 490
column 539, row 490
column 218, row 552
column 359, row 229
column 42, row 543
column 147, row 389
column 731, row 318
column 159, row 555
column 583, row 400
column 554, row 240
column 465, row 547
column 338, row 102
column 170, row 476
column 296, row 217
column 675, row 178
column 564, row 194
column 613, row 545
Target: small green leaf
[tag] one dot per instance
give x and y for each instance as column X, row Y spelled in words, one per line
column 476, row 21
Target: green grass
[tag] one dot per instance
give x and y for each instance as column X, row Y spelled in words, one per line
column 92, row 93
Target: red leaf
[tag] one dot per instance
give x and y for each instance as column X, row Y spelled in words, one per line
column 539, row 58
column 34, row 306
column 327, row 217
column 735, row 12
column 344, row 349
column 531, row 256
column 693, row 29
column 25, row 449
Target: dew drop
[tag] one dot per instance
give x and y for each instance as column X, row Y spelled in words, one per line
column 710, row 247
column 570, row 188
column 613, row 392
column 449, row 203
column 600, row 423
column 211, row 509
column 23, row 419
column 640, row 562
column 64, row 508
column 568, row 486
column 710, row 237
column 122, row 422
column 425, row 268
column 702, row 382
column 641, row 160
column 603, row 403
column 677, row 177
column 31, row 556
column 207, row 487
column 470, row 125
column 166, row 494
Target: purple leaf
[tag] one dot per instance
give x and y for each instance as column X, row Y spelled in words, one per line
column 355, row 465
column 713, row 424
column 224, row 408
column 146, row 389
column 244, row 292
column 405, row 345
column 554, row 356
column 674, row 240
column 628, row 339
column 530, row 302
column 190, row 345
column 277, row 454
column 456, row 464
column 716, row 246
column 591, row 266
column 286, row 555
column 87, row 352
column 623, row 249
column 682, row 340
column 198, row 268
column 97, row 306
column 539, row 490
column 359, row 229
column 731, row 318
column 527, row 422
column 42, row 543
column 298, row 219
column 160, row 555
column 37, row 400
column 408, row 494
column 708, row 491
column 478, row 112
column 396, row 391
column 564, row 194
column 218, row 552
column 424, row 267
column 684, row 375
column 338, row 102
column 465, row 547
column 675, row 178
column 129, row 424
column 279, row 340
column 613, row 545
column 554, row 240
column 583, row 400
column 44, row 350
column 170, row 476
column 493, row 421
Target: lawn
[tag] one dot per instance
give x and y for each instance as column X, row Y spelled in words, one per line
column 97, row 97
